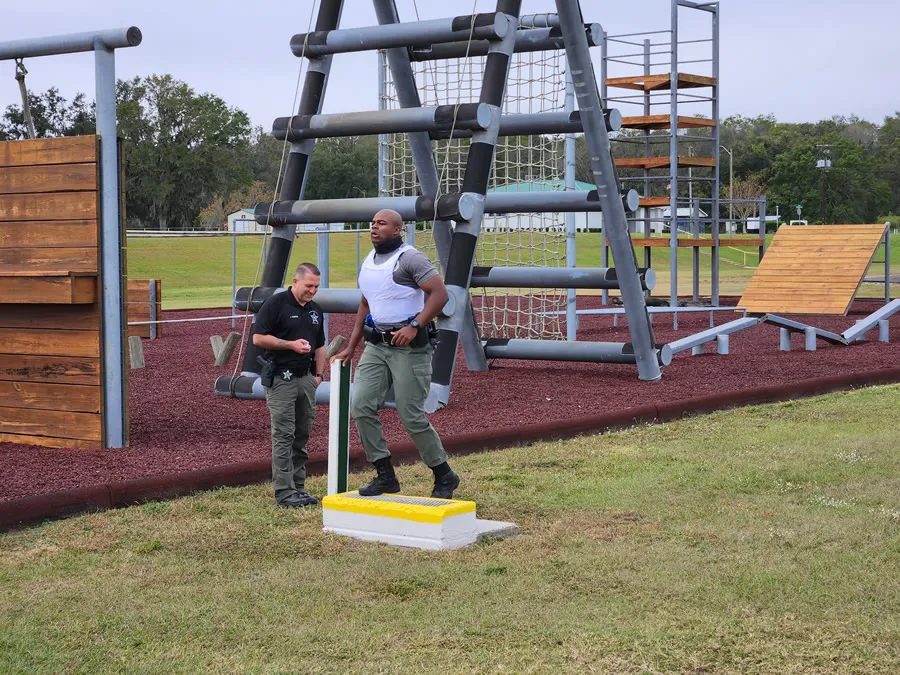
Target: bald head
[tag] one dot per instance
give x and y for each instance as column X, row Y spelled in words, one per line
column 386, row 225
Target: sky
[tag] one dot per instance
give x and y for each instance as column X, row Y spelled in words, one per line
column 799, row 60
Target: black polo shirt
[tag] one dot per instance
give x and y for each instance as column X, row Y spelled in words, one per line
column 282, row 316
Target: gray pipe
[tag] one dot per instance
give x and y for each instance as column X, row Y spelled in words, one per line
column 469, row 116
column 553, row 277
column 416, row 34
column 531, row 40
column 557, row 350
column 116, row 38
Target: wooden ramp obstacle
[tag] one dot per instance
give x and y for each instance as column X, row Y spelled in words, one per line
column 812, row 269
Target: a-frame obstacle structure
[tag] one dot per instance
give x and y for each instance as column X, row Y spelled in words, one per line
column 497, row 35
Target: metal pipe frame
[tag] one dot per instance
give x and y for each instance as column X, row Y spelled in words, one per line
column 475, row 183
column 103, row 44
column 488, row 26
column 331, row 300
column 571, row 227
column 557, row 350
column 470, row 116
column 553, row 277
column 458, row 206
column 423, row 159
column 705, row 336
column 530, row 40
column 455, row 206
column 534, row 124
column 603, row 170
column 545, row 20
column 863, row 326
column 73, row 43
column 296, row 170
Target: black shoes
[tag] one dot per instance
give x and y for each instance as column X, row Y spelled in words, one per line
column 298, row 500
column 445, row 485
column 385, row 480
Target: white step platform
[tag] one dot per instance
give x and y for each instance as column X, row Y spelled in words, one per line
column 416, row 522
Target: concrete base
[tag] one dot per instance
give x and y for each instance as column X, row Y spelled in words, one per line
column 414, row 522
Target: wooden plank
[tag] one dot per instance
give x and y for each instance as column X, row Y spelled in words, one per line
column 46, row 259
column 53, row 206
column 49, row 233
column 660, row 81
column 51, row 178
column 51, row 369
column 50, row 317
column 50, row 423
column 50, row 343
column 664, row 162
column 649, row 202
column 43, row 151
column 650, row 122
column 41, row 396
column 649, row 243
column 59, row 290
column 43, row 441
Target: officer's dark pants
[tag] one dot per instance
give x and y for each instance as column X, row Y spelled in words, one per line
column 292, row 409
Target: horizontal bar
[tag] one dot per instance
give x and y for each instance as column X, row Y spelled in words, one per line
column 115, row 38
column 491, row 26
column 531, row 40
column 560, row 350
column 711, row 7
column 705, row 336
column 550, row 201
column 538, row 21
column 533, row 124
column 454, row 206
column 470, row 116
column 331, row 300
column 867, row 324
column 797, row 327
column 651, row 310
column 206, row 318
column 554, row 277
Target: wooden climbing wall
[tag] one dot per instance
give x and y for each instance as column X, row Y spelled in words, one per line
column 51, row 381
column 814, row 269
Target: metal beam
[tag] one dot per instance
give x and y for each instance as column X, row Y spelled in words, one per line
column 470, row 116
column 864, row 325
column 491, row 26
column 533, row 124
column 703, row 337
column 558, row 350
column 531, row 40
column 797, row 327
column 553, row 277
column 603, row 170
column 116, row 38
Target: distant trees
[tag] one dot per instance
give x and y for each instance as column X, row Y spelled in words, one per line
column 191, row 159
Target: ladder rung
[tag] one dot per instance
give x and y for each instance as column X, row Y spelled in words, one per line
column 489, row 26
column 468, row 116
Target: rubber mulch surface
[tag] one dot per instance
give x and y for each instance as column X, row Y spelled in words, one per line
column 178, row 424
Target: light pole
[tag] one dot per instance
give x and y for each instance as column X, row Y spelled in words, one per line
column 730, row 184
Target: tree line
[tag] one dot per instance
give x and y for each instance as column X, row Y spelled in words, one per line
column 191, row 159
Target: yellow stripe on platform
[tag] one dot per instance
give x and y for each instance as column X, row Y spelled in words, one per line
column 417, row 509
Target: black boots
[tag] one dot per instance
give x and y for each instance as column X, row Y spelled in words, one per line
column 384, row 481
column 445, row 481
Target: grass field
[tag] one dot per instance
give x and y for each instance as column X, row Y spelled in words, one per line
column 749, row 541
column 196, row 272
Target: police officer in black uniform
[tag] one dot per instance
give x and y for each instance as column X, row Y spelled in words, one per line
column 289, row 326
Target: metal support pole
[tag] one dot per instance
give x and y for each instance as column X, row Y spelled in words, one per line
column 423, row 159
column 715, row 263
column 382, row 138
column 762, row 233
column 323, row 260
column 604, row 176
column 233, row 273
column 695, row 254
column 475, row 183
column 411, row 234
column 673, row 160
column 604, row 249
column 112, row 264
column 571, row 250
column 527, row 40
column 887, row 264
column 784, row 340
column 648, row 226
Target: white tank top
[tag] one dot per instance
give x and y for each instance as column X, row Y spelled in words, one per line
column 389, row 302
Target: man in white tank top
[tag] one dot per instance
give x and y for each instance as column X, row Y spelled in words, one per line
column 401, row 294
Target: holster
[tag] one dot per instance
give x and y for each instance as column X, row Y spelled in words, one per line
column 267, row 374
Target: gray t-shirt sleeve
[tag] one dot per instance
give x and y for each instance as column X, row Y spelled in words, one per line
column 413, row 269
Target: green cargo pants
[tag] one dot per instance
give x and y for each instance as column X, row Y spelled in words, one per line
column 292, row 409
column 408, row 370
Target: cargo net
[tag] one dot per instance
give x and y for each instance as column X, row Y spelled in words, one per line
column 536, row 84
